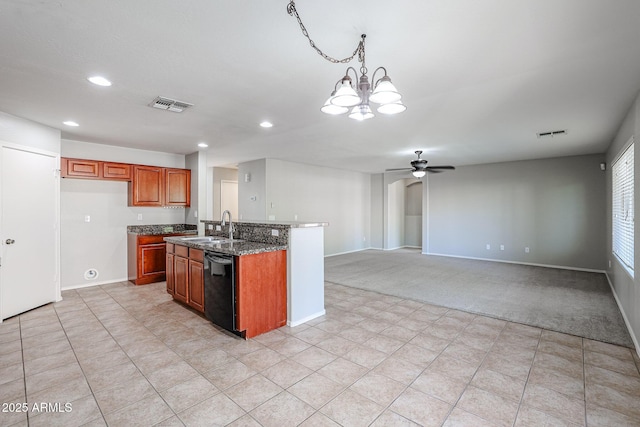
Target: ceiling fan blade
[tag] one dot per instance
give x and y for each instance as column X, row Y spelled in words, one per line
column 397, row 169
column 441, row 167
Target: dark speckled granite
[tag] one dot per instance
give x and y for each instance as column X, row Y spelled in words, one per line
column 162, row 229
column 252, row 232
column 233, row 248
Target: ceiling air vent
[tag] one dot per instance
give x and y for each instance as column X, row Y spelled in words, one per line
column 170, row 104
column 551, row 134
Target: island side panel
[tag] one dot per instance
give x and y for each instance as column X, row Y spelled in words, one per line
column 261, row 292
column 305, row 275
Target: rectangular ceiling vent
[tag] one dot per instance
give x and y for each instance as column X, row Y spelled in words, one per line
column 551, row 134
column 170, row 104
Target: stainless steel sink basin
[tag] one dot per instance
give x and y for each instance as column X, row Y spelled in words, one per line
column 210, row 240
column 207, row 239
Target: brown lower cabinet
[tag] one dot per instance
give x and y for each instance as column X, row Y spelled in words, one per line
column 185, row 275
column 260, row 287
column 146, row 258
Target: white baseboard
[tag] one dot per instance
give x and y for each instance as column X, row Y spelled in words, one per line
column 624, row 315
column 306, row 319
column 88, row 285
column 533, row 264
column 371, row 248
column 348, row 252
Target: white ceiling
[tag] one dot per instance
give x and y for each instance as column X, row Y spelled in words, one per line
column 479, row 78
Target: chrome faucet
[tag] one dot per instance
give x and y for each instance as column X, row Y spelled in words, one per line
column 223, row 223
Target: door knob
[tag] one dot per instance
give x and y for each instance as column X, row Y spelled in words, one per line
column 10, row 241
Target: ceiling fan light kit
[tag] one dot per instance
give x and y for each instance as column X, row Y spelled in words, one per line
column 345, row 96
column 419, row 167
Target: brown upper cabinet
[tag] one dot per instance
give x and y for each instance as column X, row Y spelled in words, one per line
column 119, row 171
column 155, row 186
column 177, row 187
column 148, row 185
column 94, row 169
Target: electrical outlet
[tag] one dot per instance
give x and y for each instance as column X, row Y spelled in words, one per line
column 526, row 250
column 218, row 228
column 87, row 218
column 488, row 246
column 139, row 217
column 275, row 232
column 502, row 247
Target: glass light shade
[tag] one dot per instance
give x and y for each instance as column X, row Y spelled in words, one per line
column 419, row 174
column 385, row 92
column 392, row 108
column 361, row 112
column 346, row 96
column 329, row 108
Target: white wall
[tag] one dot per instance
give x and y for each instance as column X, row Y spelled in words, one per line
column 377, row 211
column 101, row 243
column 312, row 193
column 197, row 162
column 555, row 207
column 627, row 288
column 252, row 195
column 413, row 213
column 24, row 132
column 395, row 215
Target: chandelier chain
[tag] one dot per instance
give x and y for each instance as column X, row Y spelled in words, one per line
column 291, row 10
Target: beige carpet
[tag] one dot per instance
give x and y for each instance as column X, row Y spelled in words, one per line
column 573, row 302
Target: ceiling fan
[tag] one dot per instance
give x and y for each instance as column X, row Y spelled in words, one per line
column 419, row 167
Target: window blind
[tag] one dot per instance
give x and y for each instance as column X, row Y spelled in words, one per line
column 623, row 207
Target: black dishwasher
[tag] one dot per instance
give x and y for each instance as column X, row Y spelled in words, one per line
column 219, row 290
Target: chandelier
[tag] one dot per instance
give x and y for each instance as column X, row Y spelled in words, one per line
column 345, row 97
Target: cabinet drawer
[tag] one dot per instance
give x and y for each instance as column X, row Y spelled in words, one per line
column 80, row 168
column 196, row 254
column 182, row 251
column 145, row 240
column 116, row 171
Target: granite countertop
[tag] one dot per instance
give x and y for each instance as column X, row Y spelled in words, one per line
column 156, row 229
column 236, row 248
column 265, row 223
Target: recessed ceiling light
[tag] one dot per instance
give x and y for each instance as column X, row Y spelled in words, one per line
column 266, row 124
column 203, row 145
column 99, row 80
column 71, row 123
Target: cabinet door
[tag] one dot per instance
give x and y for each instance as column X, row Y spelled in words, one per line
column 170, row 275
column 196, row 285
column 181, row 278
column 117, row 171
column 152, row 263
column 76, row 168
column 177, row 187
column 261, row 292
column 146, row 188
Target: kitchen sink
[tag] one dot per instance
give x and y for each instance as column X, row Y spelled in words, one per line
column 210, row 239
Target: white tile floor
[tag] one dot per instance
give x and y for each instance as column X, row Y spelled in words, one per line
column 122, row 355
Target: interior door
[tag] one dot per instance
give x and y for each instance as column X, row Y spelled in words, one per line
column 229, row 198
column 28, row 230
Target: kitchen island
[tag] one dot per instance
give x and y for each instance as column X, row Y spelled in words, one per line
column 305, row 260
column 279, row 266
